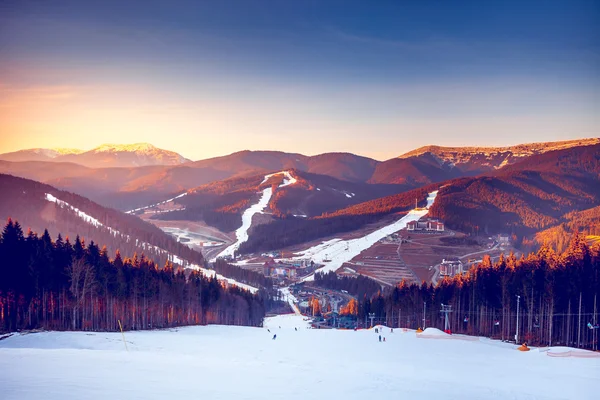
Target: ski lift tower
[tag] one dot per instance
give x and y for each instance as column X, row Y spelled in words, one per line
column 446, row 309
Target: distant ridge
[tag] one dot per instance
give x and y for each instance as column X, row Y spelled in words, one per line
column 104, row 156
column 529, row 148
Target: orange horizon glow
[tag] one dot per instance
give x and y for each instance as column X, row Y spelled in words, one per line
column 86, row 116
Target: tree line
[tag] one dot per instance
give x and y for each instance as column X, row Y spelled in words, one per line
column 56, row 284
column 359, row 286
column 557, row 296
column 252, row 278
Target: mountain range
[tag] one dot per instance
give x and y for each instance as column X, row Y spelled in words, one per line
column 105, row 156
column 129, row 176
column 521, row 189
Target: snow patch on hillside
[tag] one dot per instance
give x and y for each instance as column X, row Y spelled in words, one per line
column 288, row 180
column 87, row 218
column 157, row 204
column 334, row 253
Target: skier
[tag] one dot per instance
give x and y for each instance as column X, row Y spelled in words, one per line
column 384, row 338
column 391, row 330
column 380, row 338
column 274, row 336
column 296, row 329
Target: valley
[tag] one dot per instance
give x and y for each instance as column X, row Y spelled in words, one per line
column 239, row 200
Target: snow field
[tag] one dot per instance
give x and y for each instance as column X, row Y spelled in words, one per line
column 220, row 362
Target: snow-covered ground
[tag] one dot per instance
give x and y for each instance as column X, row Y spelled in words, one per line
column 219, row 362
column 334, row 253
column 241, row 234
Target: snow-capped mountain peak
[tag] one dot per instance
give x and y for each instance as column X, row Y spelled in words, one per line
column 106, row 155
column 131, row 148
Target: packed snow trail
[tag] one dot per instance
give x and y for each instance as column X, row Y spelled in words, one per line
column 300, row 364
column 241, row 233
column 334, row 253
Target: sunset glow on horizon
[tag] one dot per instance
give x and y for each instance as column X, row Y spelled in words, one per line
column 208, row 80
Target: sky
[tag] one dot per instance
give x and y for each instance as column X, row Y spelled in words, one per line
column 376, row 78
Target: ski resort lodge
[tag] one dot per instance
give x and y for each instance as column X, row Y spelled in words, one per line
column 427, row 225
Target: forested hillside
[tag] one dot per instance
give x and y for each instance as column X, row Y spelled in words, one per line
column 219, row 204
column 586, row 223
column 526, row 197
column 64, row 285
column 316, row 194
column 27, row 201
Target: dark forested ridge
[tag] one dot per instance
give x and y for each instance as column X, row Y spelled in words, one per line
column 559, row 300
column 69, row 285
column 25, row 200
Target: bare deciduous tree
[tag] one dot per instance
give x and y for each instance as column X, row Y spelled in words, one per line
column 82, row 279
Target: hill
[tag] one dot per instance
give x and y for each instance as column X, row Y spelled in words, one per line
column 477, row 160
column 586, row 223
column 526, row 197
column 37, row 154
column 221, row 203
column 39, row 206
column 105, row 156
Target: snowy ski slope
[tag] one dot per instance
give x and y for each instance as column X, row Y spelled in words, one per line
column 226, row 362
column 334, row 253
column 241, row 233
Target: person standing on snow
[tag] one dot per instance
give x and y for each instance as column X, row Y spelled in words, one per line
column 380, row 338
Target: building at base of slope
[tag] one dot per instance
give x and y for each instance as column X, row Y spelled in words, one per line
column 426, row 225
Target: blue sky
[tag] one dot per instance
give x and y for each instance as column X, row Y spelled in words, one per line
column 377, row 78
